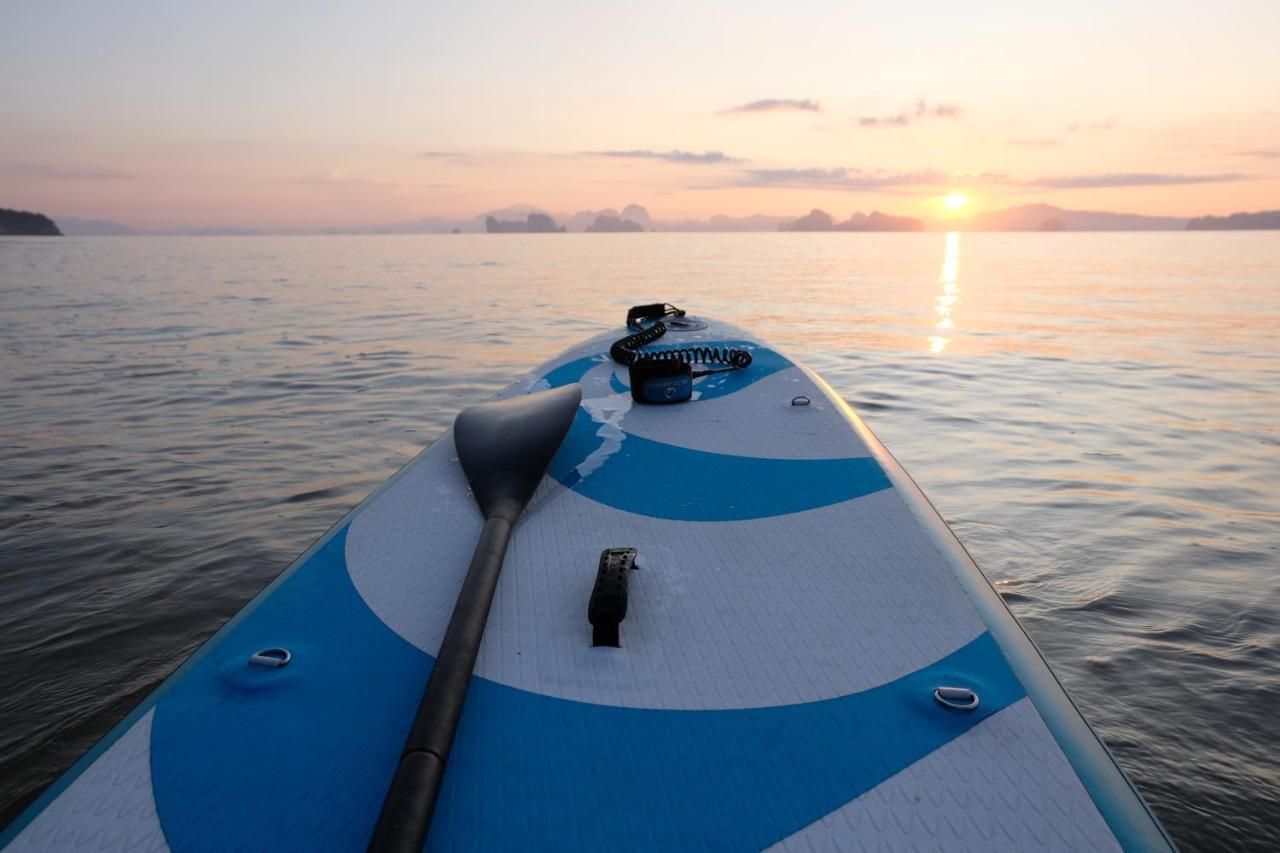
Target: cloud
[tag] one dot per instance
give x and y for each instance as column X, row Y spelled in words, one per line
column 1104, row 124
column 672, row 156
column 1034, row 143
column 839, row 178
column 842, row 178
column 49, row 172
column 898, row 120
column 938, row 110
column 777, row 105
column 479, row 156
column 1129, row 179
column 1262, row 153
column 922, row 110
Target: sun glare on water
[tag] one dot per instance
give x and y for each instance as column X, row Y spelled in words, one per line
column 954, row 201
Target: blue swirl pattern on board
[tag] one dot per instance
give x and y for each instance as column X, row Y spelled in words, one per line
column 300, row 757
column 635, row 476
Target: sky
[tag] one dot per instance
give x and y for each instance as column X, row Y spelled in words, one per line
column 313, row 114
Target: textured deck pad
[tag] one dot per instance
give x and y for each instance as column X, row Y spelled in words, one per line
column 789, row 620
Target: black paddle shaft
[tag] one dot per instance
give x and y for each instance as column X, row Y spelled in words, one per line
column 504, row 448
column 406, row 813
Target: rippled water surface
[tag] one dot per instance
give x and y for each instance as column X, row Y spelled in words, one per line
column 1095, row 415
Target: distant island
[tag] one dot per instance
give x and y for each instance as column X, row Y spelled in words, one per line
column 534, row 223
column 820, row 220
column 22, row 223
column 606, row 224
column 1265, row 220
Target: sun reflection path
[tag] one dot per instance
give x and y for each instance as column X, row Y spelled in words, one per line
column 950, row 296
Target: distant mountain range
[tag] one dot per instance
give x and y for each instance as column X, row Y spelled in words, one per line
column 1046, row 217
column 1264, row 220
column 634, row 217
column 820, row 220
column 524, row 218
column 74, row 227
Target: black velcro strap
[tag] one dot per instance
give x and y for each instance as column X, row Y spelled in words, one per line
column 608, row 606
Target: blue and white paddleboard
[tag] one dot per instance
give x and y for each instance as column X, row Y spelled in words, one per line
column 797, row 607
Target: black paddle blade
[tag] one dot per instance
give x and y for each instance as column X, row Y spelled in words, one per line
column 505, row 446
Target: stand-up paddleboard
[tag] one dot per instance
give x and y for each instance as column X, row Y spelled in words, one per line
column 805, row 658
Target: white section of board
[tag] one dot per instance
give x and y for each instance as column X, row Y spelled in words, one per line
column 109, row 807
column 757, row 421
column 1004, row 785
column 734, row 614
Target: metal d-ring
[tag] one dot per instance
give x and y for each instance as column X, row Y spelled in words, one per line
column 273, row 657
column 956, row 698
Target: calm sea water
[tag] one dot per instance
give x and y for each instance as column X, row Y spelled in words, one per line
column 1096, row 415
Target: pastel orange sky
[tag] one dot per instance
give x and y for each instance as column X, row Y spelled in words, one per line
column 162, row 114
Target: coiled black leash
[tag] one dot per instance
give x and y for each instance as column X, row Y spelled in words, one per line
column 666, row 376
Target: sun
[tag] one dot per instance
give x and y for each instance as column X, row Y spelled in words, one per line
column 954, row 201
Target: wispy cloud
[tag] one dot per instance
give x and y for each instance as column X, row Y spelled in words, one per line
column 941, row 110
column 52, row 172
column 895, row 120
column 479, row 157
column 673, row 156
column 922, row 110
column 853, row 179
column 1129, row 179
column 839, row 178
column 1261, row 153
column 776, row 105
column 1103, row 124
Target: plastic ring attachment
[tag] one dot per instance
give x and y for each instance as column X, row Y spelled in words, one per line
column 273, row 657
column 956, row 698
column 802, row 400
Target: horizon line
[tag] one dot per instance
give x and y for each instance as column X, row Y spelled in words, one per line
column 446, row 220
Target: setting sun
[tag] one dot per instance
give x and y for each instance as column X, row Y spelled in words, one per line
column 954, row 201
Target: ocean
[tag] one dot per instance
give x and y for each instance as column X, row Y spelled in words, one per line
column 1096, row 416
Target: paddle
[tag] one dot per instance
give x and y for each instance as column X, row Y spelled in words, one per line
column 505, row 447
